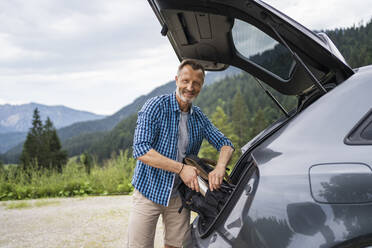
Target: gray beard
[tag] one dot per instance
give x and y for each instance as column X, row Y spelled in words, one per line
column 179, row 94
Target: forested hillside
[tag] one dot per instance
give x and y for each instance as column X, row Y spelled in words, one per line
column 354, row 43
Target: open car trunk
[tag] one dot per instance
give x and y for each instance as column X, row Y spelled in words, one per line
column 244, row 177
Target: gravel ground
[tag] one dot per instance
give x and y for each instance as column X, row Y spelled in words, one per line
column 68, row 222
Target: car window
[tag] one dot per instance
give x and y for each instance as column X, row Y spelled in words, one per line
column 361, row 133
column 367, row 132
column 257, row 47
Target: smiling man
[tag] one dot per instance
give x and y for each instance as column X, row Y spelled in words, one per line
column 168, row 128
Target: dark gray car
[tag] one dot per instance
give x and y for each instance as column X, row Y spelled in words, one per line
column 305, row 181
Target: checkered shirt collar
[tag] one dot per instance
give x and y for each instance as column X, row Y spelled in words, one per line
column 175, row 106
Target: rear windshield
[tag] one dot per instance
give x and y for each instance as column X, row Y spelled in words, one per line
column 257, row 47
column 238, row 106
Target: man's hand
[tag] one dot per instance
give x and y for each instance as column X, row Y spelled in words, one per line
column 215, row 177
column 189, row 177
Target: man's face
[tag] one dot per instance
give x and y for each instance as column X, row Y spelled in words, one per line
column 189, row 83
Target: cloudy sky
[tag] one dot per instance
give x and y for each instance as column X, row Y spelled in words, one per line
column 100, row 55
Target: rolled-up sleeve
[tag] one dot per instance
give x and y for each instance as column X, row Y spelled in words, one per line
column 145, row 132
column 214, row 136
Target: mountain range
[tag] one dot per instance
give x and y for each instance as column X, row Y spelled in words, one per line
column 11, row 142
column 15, row 120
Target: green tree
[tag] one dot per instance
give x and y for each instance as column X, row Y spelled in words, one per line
column 55, row 157
column 221, row 121
column 87, row 160
column 239, row 117
column 32, row 148
column 42, row 147
column 258, row 122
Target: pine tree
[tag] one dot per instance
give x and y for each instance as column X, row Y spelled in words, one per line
column 32, row 147
column 54, row 156
column 87, row 160
column 258, row 122
column 239, row 117
column 42, row 148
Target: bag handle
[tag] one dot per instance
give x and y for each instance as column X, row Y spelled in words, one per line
column 204, row 165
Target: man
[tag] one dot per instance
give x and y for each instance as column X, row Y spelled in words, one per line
column 168, row 128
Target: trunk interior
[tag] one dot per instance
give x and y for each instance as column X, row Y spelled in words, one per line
column 211, row 213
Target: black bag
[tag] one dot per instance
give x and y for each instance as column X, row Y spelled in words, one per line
column 210, row 205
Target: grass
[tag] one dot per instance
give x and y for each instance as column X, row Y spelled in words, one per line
column 43, row 203
column 113, row 177
column 18, row 205
column 25, row 204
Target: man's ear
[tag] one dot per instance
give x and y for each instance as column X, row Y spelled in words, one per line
column 176, row 78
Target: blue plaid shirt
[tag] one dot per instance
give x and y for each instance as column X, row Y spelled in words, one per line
column 157, row 128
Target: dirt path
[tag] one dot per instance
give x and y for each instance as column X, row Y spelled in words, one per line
column 67, row 222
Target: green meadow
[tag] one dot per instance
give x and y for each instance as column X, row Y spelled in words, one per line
column 113, row 176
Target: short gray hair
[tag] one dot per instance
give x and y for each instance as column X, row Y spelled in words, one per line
column 194, row 65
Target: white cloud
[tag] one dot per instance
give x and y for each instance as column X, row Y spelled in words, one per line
column 320, row 14
column 10, row 52
column 71, row 37
column 106, row 89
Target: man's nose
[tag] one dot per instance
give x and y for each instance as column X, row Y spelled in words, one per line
column 190, row 86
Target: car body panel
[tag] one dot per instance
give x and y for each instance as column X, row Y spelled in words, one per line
column 282, row 211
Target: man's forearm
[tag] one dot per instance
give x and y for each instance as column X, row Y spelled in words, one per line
column 215, row 177
column 187, row 173
column 225, row 156
column 155, row 159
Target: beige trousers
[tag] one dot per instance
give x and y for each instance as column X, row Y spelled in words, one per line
column 144, row 217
